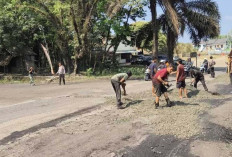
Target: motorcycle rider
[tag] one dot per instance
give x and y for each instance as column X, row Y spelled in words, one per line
column 205, row 64
column 162, row 65
column 188, row 65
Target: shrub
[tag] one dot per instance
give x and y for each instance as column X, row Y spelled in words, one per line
column 89, row 72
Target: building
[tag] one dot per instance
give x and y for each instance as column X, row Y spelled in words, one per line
column 124, row 53
column 215, row 46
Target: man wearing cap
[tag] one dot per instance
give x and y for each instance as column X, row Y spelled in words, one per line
column 116, row 81
column 162, row 65
column 159, row 82
column 180, row 79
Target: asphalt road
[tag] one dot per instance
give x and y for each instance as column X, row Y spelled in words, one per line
column 23, row 106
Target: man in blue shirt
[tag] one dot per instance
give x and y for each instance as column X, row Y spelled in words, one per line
column 153, row 66
column 153, row 70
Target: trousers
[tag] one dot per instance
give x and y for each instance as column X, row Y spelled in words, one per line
column 202, row 79
column 61, row 77
column 212, row 72
column 117, row 90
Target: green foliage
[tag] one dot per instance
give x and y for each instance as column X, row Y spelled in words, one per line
column 18, row 28
column 143, row 35
column 137, row 71
column 76, row 30
column 184, row 48
column 89, row 72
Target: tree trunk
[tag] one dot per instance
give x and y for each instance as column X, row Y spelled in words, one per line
column 75, row 66
column 154, row 24
column 171, row 44
column 114, row 53
column 95, row 63
column 157, row 40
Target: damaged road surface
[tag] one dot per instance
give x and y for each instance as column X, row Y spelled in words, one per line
column 82, row 120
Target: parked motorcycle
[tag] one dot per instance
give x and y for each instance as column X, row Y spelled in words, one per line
column 147, row 76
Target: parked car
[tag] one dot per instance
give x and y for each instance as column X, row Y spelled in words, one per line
column 162, row 58
column 141, row 59
column 175, row 58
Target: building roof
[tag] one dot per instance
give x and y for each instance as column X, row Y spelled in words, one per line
column 214, row 42
column 125, row 48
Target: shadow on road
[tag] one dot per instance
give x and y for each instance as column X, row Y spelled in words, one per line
column 181, row 103
column 193, row 93
column 222, row 69
column 224, row 89
column 134, row 102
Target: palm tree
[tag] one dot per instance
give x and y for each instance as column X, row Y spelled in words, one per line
column 170, row 14
column 199, row 17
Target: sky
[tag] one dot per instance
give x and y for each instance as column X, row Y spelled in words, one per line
column 225, row 23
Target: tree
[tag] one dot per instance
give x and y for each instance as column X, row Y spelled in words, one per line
column 18, row 30
column 55, row 13
column 170, row 14
column 199, row 17
column 142, row 36
column 184, row 48
column 72, row 29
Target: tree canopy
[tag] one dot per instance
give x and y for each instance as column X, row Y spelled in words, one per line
column 84, row 34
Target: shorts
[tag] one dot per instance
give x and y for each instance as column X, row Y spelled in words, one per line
column 180, row 84
column 159, row 88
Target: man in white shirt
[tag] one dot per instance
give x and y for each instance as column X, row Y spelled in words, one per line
column 61, row 72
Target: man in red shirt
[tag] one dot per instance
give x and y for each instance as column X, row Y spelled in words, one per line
column 180, row 79
column 159, row 82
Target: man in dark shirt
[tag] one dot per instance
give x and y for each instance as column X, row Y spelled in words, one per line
column 153, row 70
column 180, row 79
column 153, row 66
column 198, row 76
column 159, row 82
